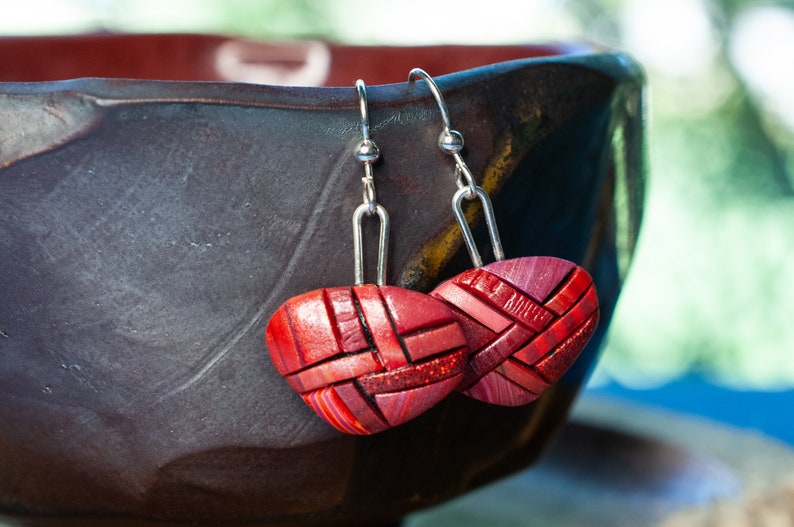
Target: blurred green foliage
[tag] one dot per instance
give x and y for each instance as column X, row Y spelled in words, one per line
column 713, row 280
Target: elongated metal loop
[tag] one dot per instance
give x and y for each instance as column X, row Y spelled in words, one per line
column 490, row 221
column 358, row 242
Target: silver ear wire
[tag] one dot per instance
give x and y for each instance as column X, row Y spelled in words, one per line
column 367, row 152
column 422, row 74
column 451, row 142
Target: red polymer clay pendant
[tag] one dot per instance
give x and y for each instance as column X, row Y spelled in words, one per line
column 366, row 358
column 526, row 321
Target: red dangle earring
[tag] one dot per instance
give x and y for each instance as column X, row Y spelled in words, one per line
column 526, row 319
column 367, row 357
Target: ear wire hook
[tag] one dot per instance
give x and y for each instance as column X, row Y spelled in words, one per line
column 367, row 152
column 451, row 142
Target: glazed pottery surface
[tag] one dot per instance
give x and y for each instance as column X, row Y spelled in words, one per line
column 150, row 228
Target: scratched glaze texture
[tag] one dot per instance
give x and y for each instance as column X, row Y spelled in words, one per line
column 148, row 231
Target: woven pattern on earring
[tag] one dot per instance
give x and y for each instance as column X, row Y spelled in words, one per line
column 366, row 358
column 526, row 321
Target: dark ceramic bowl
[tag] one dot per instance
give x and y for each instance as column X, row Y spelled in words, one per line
column 148, row 229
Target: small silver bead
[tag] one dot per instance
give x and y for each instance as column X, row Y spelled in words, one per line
column 450, row 141
column 367, row 151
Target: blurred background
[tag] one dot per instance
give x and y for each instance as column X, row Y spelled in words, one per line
column 706, row 321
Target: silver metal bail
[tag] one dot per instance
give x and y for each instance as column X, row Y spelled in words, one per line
column 358, row 242
column 490, row 221
column 367, row 152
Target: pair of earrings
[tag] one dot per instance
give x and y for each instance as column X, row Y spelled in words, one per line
column 369, row 357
